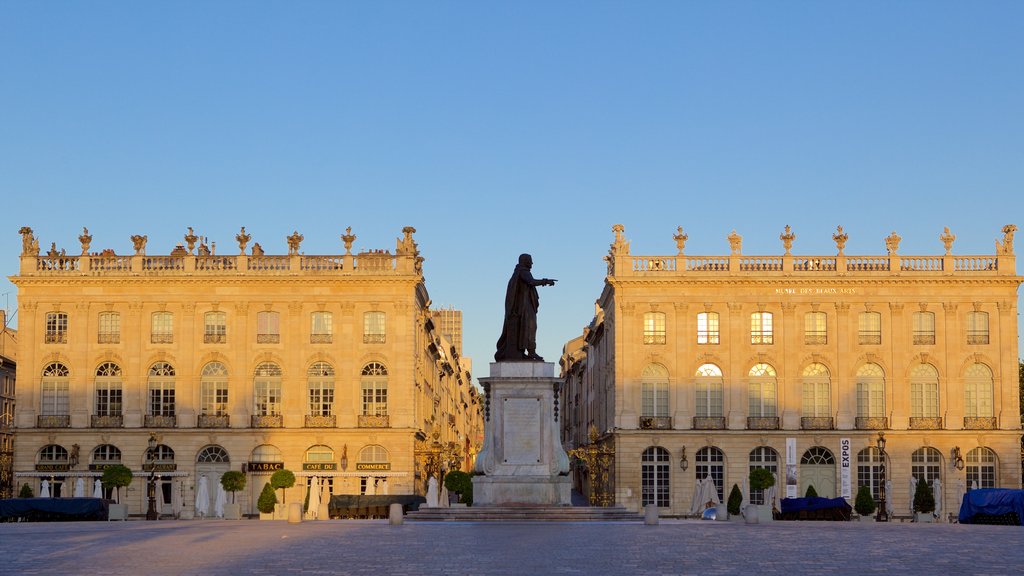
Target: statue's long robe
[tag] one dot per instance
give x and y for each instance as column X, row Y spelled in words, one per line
column 519, row 331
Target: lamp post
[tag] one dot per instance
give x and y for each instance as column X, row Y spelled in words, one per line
column 151, row 513
column 883, row 516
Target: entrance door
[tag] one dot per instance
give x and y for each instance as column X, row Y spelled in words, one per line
column 212, row 462
column 818, row 469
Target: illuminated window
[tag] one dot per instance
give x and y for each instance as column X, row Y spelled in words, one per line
column 654, row 328
column 374, row 330
column 161, row 328
column 924, row 328
column 815, row 333
column 869, row 328
column 761, row 328
column 707, row 328
column 215, row 328
column 56, row 328
column 977, row 327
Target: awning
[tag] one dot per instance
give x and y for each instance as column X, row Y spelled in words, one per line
column 92, row 474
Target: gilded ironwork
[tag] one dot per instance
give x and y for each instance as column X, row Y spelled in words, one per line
column 709, row 423
column 763, row 423
column 107, row 421
column 214, row 421
column 816, row 422
column 267, row 421
column 926, row 423
column 596, row 459
column 655, row 422
column 321, row 421
column 53, row 421
column 871, row 422
column 437, row 458
column 374, row 421
column 153, row 421
column 979, row 422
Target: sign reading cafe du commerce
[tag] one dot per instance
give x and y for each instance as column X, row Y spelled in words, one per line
column 319, row 466
column 374, row 466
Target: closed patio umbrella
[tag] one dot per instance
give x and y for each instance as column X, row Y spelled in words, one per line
column 889, row 509
column 97, row 489
column 697, row 507
column 937, row 494
column 313, row 508
column 202, row 497
column 220, row 501
column 44, row 489
column 913, row 490
column 80, row 487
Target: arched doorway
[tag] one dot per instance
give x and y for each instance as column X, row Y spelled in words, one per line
column 212, row 462
column 818, row 469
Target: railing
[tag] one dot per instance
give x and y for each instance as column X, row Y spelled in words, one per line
column 979, row 423
column 977, row 336
column 921, row 263
column 814, row 263
column 816, row 423
column 153, row 421
column 320, row 338
column 322, row 263
column 760, row 263
column 53, row 421
column 762, row 423
column 374, row 421
column 55, row 338
column 867, row 263
column 655, row 422
column 926, row 423
column 110, row 264
column 815, row 339
column 213, row 421
column 215, row 338
column 106, row 421
column 215, row 263
column 328, row 421
column 57, row 264
column 709, row 423
column 161, row 338
column 373, row 338
column 924, row 338
column 163, row 264
column 375, row 263
column 975, row 263
column 654, row 264
column 267, row 421
column 269, row 263
column 655, row 338
column 108, row 338
column 268, row 338
column 708, row 263
column 871, row 423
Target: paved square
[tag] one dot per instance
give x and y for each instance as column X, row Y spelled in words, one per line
column 374, row 547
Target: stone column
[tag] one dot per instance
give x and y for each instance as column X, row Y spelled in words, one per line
column 735, row 376
column 954, row 383
column 1008, row 407
column 844, row 392
column 897, row 389
column 790, row 395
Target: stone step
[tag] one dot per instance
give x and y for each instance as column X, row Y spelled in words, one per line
column 525, row 514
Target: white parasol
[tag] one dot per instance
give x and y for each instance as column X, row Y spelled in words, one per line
column 442, row 500
column 697, row 507
column 913, row 491
column 202, row 497
column 937, row 494
column 97, row 489
column 80, row 487
column 371, row 486
column 889, row 509
column 710, row 493
column 383, row 488
column 313, row 508
column 220, row 501
column 44, row 489
column 974, row 484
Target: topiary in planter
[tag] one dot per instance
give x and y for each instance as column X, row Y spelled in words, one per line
column 864, row 504
column 283, row 479
column 924, row 500
column 267, row 500
column 117, row 476
column 761, row 478
column 233, row 481
column 735, row 501
column 26, row 492
column 462, row 484
column 811, row 492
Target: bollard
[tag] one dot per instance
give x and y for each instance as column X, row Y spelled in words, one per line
column 651, row 515
column 395, row 514
column 294, row 513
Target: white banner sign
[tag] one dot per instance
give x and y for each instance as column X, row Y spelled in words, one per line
column 845, row 458
column 792, row 487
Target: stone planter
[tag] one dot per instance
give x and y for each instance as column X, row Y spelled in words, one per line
column 736, row 517
column 186, row 515
column 752, row 514
column 280, row 511
column 764, row 513
column 868, row 518
column 722, row 512
column 117, row 512
column 924, row 517
column 233, row 511
column 266, row 516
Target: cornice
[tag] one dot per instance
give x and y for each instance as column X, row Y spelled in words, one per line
column 832, row 280
column 28, row 281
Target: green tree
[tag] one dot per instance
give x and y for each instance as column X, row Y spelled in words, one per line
column 117, row 476
column 811, row 492
column 864, row 504
column 233, row 481
column 462, row 484
column 26, row 492
column 283, row 479
column 924, row 500
column 267, row 500
column 735, row 501
column 761, row 478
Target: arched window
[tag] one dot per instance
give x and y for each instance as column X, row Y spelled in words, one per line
column 215, row 328
column 761, row 330
column 108, row 389
column 161, row 329
column 161, row 389
column 654, row 477
column 108, row 328
column 654, row 392
column 266, row 453
column 267, row 389
column 53, row 454
column 817, row 392
column 815, row 328
column 56, row 328
column 374, row 381
column 268, row 327
column 869, row 470
column 320, row 383
column 767, row 458
column 654, row 328
column 708, row 328
column 761, row 392
column 924, row 328
column 163, row 454
column 870, row 391
column 709, row 385
column 711, row 462
column 106, row 454
column 319, row 454
column 212, row 454
column 977, row 327
column 322, row 328
column 214, row 390
column 926, row 463
column 978, row 392
column 869, row 328
column 981, row 468
column 924, row 391
column 818, row 456
column 373, row 454
column 55, row 399
column 374, row 328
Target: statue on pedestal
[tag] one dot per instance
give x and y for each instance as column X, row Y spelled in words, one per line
column 518, row 340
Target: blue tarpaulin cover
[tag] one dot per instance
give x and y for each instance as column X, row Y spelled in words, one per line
column 992, row 502
column 54, row 508
column 809, row 504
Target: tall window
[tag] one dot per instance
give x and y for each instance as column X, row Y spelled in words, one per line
column 870, row 391
column 215, row 328
column 924, row 391
column 924, row 328
column 869, row 328
column 654, row 328
column 761, row 391
column 213, row 390
column 978, row 392
column 321, row 389
column 654, row 477
column 56, row 328
column 109, row 328
column 707, row 328
column 267, row 389
column 268, row 327
column 375, row 389
column 654, row 391
column 374, row 329
column 767, row 458
column 108, row 389
column 977, row 327
column 55, row 399
column 709, row 386
column 161, row 389
column 869, row 470
column 323, row 328
column 815, row 328
column 926, row 463
column 761, row 328
column 981, row 468
column 161, row 328
column 711, row 462
column 817, row 392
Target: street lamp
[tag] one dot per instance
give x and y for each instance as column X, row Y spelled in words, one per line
column 883, row 516
column 151, row 513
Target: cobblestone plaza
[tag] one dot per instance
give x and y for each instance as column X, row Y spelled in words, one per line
column 374, row 547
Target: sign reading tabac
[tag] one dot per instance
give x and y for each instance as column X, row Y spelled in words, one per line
column 265, row 466
column 375, row 466
column 319, row 466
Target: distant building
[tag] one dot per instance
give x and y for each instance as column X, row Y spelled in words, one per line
column 709, row 366
column 449, row 323
column 8, row 368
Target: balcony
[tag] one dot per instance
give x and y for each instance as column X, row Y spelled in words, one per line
column 55, row 338
column 871, row 423
column 375, row 421
column 979, row 423
column 977, row 337
column 108, row 338
column 655, row 422
column 268, row 338
column 815, row 339
column 329, row 421
column 107, row 421
column 320, row 338
column 53, row 421
column 213, row 421
column 762, row 423
column 153, row 421
column 924, row 338
column 373, row 338
column 161, row 338
column 926, row 423
column 869, row 338
column 215, row 338
column 709, row 423
column 816, row 423
column 268, row 421
column 654, row 338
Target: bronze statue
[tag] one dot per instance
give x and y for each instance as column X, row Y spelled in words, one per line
column 518, row 340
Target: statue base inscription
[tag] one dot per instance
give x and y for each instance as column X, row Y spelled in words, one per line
column 522, row 462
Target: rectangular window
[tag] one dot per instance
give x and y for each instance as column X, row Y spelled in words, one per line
column 56, row 328
column 55, row 398
column 654, row 399
column 322, row 330
column 375, row 399
column 215, row 328
column 214, row 397
column 762, row 403
column 709, row 399
column 977, row 399
column 924, row 399
column 268, row 397
column 373, row 328
column 816, row 402
column 321, row 399
column 870, row 399
column 977, row 328
column 924, row 328
column 161, row 398
column 268, row 329
column 654, row 328
column 707, row 328
column 109, row 328
column 815, row 333
column 108, row 398
column 869, row 328
column 162, row 328
column 761, row 328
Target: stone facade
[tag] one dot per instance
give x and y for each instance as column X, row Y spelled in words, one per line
column 325, row 365
column 8, row 371
column 711, row 365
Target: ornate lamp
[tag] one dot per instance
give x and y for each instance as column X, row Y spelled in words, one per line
column 883, row 515
column 683, row 463
column 151, row 513
column 958, row 460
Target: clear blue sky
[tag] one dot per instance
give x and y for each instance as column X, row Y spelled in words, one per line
column 500, row 128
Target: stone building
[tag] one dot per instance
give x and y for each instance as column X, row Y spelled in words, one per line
column 698, row 366
column 8, row 369
column 328, row 366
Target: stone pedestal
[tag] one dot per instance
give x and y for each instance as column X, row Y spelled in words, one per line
column 522, row 462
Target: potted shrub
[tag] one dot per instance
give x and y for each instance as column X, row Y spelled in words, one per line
column 811, row 492
column 460, row 483
column 864, row 504
column 117, row 476
column 734, row 502
column 26, row 492
column 282, row 480
column 760, row 479
column 232, row 481
column 924, row 502
column 267, row 502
